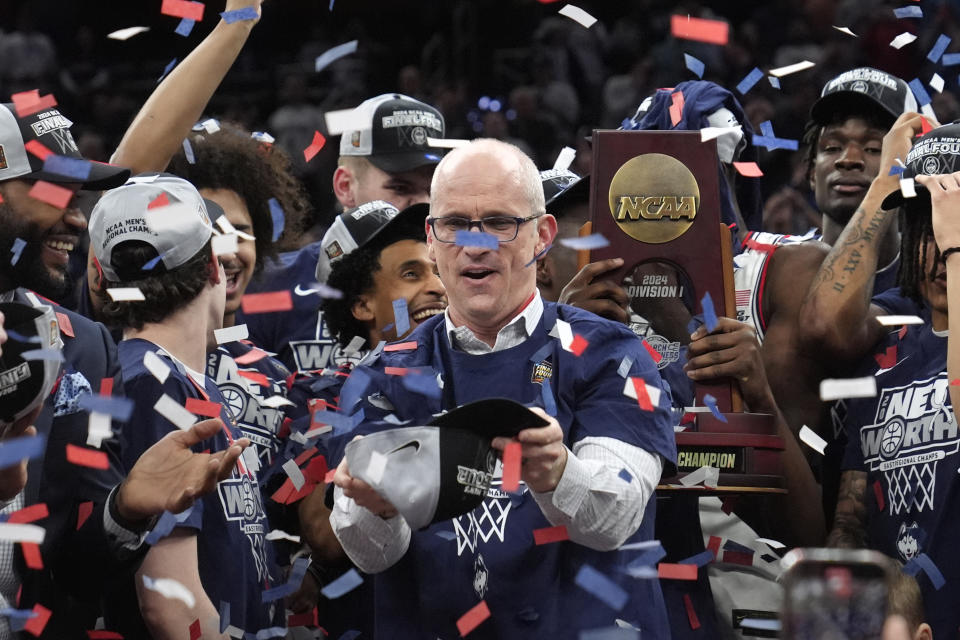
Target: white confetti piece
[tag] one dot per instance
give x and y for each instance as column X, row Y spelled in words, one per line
column 231, row 334
column 773, row 544
column 125, row 294
column 845, row 30
column 652, row 392
column 224, row 244
column 578, row 15
column 791, row 68
column 17, row 532
column 333, row 54
column 927, row 110
column 891, row 321
column 279, row 534
column 275, row 402
column 707, row 475
column 810, row 438
column 709, row 133
column 904, row 38
column 836, row 388
column 98, row 429
column 565, row 158
column 342, row 120
column 294, row 473
column 156, row 366
column 210, row 125
column 355, row 344
column 564, row 333
column 174, row 412
column 936, row 82
column 126, row 34
column 696, row 409
column 446, row 143
column 251, row 459
column 633, row 546
column 171, row 589
column 908, row 188
column 378, row 464
column 316, row 431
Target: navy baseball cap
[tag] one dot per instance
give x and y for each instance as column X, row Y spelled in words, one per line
column 563, row 183
column 864, row 89
column 26, row 383
column 938, row 151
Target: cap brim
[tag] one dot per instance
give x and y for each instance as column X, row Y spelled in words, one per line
column 491, row 418
column 848, row 102
column 896, row 198
column 214, row 211
column 400, row 162
column 102, row 177
column 578, row 189
column 414, row 214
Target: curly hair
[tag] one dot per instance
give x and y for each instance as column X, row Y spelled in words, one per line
column 876, row 118
column 353, row 276
column 916, row 221
column 166, row 291
column 231, row 159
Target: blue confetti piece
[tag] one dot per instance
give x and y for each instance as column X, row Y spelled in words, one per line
column 929, row 568
column 331, row 9
column 774, row 81
column 247, row 13
column 292, row 583
column 66, row 166
column 276, row 213
column 480, row 239
column 18, row 617
column 609, row 633
column 446, row 534
column 185, row 27
column 224, row 616
column 749, row 81
column 387, row 328
column 695, row 65
column 116, row 406
column 188, row 151
column 422, row 383
column 13, row 335
column 401, row 317
column 760, row 624
column 730, row 545
column 330, row 56
column 162, row 529
column 23, row 448
column 950, row 59
column 342, row 585
column 919, row 92
column 624, row 369
column 772, row 143
column 586, row 243
column 908, row 12
column 17, row 249
column 151, row 264
column 539, row 255
column 711, row 403
column 56, row 355
column 167, row 69
column 709, row 312
column 766, row 128
column 349, row 634
column 701, row 559
column 649, row 557
column 602, row 587
column 896, row 170
column 938, row 47
column 625, row 476
column 542, row 353
column 546, row 394
column 338, row 421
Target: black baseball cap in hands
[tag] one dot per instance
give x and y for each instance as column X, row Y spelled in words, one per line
column 436, row 472
column 936, row 152
column 25, row 384
column 864, row 90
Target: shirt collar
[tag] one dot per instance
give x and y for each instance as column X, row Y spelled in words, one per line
column 530, row 316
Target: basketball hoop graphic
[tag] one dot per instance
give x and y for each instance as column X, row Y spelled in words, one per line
column 911, row 488
column 484, row 522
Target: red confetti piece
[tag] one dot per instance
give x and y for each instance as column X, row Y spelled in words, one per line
column 31, row 555
column 395, row 371
column 549, row 535
column 687, row 28
column 691, row 613
column 195, row 631
column 160, row 201
column 100, row 634
column 251, row 356
column 401, row 346
column 578, row 344
column 738, row 557
column 955, row 383
column 65, row 325
column 329, row 477
column 714, row 545
column 888, row 358
column 653, row 352
column 315, row 146
column 51, row 194
column 84, row 509
column 255, row 376
column 902, row 332
column 183, row 9
column 106, row 386
column 306, row 455
column 676, row 108
column 29, row 102
column 38, row 149
column 288, row 494
column 878, row 494
column 511, row 467
column 748, row 169
column 671, row 571
column 87, row 457
column 643, row 398
column 316, row 471
column 29, row 514
column 203, row 407
column 36, row 624
column 267, row 302
column 308, row 619
column 472, row 618
column 925, row 127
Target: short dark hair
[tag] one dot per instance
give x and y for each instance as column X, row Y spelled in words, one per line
column 166, row 291
column 811, row 132
column 353, row 275
column 231, row 159
column 916, row 221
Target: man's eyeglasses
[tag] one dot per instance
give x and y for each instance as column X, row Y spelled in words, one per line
column 503, row 228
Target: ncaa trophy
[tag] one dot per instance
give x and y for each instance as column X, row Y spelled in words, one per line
column 654, row 196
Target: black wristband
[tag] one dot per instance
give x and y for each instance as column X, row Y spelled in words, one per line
column 138, row 527
column 945, row 253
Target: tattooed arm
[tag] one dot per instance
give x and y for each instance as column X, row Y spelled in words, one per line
column 836, row 317
column 850, row 523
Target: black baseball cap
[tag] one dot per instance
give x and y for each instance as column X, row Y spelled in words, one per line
column 938, row 151
column 439, row 471
column 564, row 183
column 393, row 131
column 26, row 383
column 864, row 90
column 51, row 129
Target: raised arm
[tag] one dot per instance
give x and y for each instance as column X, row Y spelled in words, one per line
column 836, row 316
column 166, row 118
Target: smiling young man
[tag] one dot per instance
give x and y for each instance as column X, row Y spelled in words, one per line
column 592, row 470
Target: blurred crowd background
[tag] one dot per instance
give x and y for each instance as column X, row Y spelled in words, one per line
column 508, row 69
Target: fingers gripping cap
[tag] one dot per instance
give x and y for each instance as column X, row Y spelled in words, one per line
column 936, row 152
